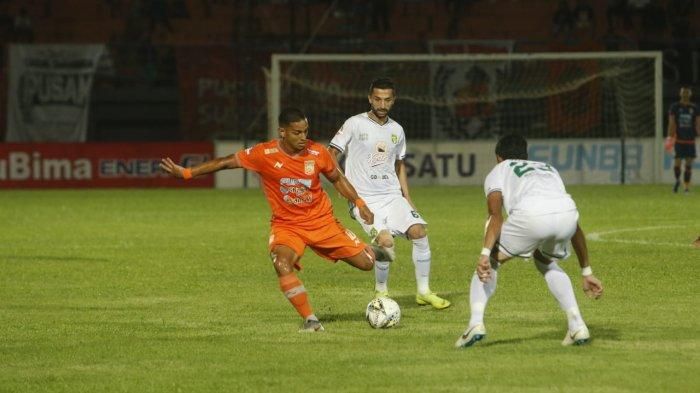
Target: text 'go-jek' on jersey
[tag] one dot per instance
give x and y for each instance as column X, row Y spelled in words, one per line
column 371, row 151
column 529, row 187
column 292, row 184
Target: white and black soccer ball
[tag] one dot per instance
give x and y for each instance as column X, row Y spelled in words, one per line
column 383, row 312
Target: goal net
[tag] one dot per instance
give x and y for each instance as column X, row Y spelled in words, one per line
column 471, row 97
column 479, row 96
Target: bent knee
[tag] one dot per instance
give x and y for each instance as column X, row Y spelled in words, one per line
column 384, row 239
column 417, row 231
column 283, row 264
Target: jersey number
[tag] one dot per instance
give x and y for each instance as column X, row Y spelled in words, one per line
column 522, row 168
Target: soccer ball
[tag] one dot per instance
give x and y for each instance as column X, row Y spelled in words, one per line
column 383, row 312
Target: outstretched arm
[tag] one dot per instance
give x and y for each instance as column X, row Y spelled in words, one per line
column 344, row 188
column 217, row 164
column 591, row 285
column 403, row 181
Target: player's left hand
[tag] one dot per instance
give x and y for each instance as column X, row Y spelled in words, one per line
column 366, row 215
column 483, row 268
column 592, row 287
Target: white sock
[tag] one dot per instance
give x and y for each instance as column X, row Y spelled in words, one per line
column 479, row 295
column 381, row 275
column 560, row 286
column 421, row 261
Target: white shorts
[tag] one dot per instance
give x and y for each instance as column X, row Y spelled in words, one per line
column 550, row 233
column 395, row 215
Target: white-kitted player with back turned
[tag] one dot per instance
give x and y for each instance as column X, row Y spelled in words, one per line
column 542, row 220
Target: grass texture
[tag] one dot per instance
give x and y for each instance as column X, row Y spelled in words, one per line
column 173, row 291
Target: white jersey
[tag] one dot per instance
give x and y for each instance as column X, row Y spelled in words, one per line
column 529, row 187
column 371, row 150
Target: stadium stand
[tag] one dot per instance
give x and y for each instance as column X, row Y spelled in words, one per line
column 144, row 37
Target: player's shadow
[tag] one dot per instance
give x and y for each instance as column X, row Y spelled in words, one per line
column 605, row 333
column 342, row 317
column 409, row 300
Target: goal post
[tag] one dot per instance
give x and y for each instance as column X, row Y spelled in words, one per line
column 472, row 97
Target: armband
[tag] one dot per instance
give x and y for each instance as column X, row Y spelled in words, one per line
column 587, row 271
column 187, row 173
column 359, row 202
column 486, row 252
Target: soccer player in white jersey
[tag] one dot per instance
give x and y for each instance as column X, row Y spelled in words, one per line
column 542, row 219
column 375, row 146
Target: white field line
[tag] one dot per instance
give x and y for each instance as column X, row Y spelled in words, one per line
column 598, row 236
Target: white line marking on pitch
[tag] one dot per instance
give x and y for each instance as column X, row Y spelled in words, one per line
column 597, row 236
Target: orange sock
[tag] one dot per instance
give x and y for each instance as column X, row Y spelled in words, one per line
column 296, row 293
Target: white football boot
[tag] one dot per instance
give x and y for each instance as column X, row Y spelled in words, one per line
column 579, row 337
column 471, row 336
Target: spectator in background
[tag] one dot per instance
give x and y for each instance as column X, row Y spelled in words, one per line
column 455, row 12
column 157, row 14
column 654, row 19
column 584, row 16
column 563, row 19
column 618, row 15
column 178, row 9
column 115, row 8
column 638, row 4
column 474, row 111
column 679, row 12
column 23, row 29
column 6, row 23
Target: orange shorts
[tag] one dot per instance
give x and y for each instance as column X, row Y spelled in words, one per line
column 332, row 241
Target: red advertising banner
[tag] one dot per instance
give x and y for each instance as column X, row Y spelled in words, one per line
column 83, row 165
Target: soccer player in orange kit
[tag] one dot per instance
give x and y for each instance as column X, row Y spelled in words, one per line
column 302, row 214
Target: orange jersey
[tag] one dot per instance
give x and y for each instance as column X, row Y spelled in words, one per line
column 292, row 184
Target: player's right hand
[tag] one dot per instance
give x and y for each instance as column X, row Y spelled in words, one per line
column 592, row 287
column 366, row 215
column 170, row 167
column 483, row 268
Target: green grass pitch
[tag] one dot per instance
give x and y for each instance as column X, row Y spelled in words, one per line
column 172, row 290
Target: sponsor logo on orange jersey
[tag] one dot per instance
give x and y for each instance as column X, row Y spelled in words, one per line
column 309, row 167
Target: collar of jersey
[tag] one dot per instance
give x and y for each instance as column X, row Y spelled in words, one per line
column 388, row 120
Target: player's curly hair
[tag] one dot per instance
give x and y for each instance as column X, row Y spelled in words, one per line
column 290, row 115
column 512, row 146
